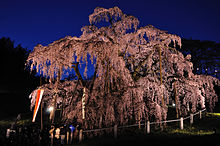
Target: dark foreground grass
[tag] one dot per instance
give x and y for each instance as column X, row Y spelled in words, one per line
column 203, row 131
column 152, row 140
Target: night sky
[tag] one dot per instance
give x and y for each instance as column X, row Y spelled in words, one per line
column 30, row 22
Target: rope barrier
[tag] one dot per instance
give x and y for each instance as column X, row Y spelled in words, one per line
column 186, row 118
column 128, row 126
column 101, row 129
column 196, row 113
column 134, row 125
column 169, row 121
column 199, row 112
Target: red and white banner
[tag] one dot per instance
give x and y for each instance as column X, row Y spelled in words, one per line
column 37, row 103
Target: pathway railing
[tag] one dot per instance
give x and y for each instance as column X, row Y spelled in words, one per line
column 145, row 124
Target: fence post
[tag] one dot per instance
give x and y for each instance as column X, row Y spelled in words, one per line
column 115, row 131
column 200, row 114
column 148, row 127
column 80, row 135
column 191, row 118
column 181, row 123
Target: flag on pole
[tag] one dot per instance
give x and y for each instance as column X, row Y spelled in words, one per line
column 37, row 103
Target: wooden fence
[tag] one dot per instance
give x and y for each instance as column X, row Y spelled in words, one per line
column 146, row 125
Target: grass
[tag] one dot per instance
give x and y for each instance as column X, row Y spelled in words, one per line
column 4, row 123
column 217, row 115
column 191, row 131
column 206, row 129
column 208, row 125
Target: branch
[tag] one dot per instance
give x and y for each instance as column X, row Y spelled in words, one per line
column 75, row 67
column 140, row 64
column 74, row 92
column 93, row 78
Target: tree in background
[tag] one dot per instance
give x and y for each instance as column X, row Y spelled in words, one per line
column 205, row 56
column 16, row 83
column 136, row 72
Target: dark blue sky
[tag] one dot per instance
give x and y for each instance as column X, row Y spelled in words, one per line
column 29, row 22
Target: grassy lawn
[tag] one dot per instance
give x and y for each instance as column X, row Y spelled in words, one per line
column 208, row 125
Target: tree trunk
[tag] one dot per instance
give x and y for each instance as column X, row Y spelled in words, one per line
column 76, row 69
column 80, row 79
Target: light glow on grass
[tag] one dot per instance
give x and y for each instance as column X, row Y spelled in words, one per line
column 9, row 122
column 214, row 114
column 192, row 131
column 4, row 122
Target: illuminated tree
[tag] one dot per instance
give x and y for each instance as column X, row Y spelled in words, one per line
column 134, row 77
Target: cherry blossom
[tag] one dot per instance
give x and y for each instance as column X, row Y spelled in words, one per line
column 137, row 71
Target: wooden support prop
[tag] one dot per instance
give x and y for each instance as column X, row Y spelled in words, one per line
column 145, row 127
column 115, row 131
column 139, row 119
column 161, row 79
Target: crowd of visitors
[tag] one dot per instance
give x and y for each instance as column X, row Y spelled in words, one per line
column 54, row 135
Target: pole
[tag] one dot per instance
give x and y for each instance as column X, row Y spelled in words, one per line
column 200, row 114
column 41, row 121
column 83, row 114
column 161, row 81
column 145, row 127
column 176, row 105
column 139, row 119
column 83, row 103
column 191, row 118
column 115, row 131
